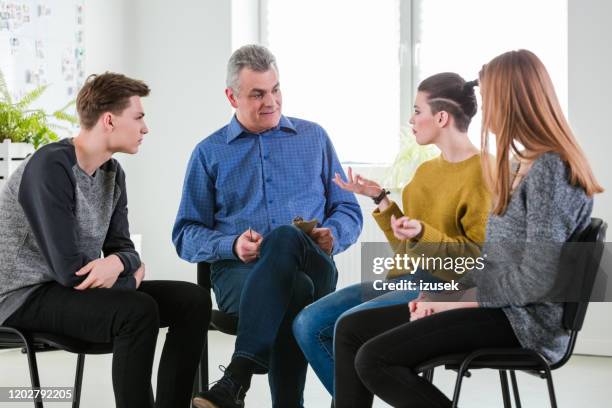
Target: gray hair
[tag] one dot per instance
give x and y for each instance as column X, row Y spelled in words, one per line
column 252, row 56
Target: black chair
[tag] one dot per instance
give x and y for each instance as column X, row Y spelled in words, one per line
column 31, row 343
column 520, row 359
column 219, row 321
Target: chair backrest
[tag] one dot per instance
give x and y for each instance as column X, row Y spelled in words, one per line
column 575, row 312
column 595, row 235
column 204, row 275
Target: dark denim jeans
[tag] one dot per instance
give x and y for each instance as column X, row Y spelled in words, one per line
column 292, row 272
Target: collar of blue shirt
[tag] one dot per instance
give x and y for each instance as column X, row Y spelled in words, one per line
column 235, row 129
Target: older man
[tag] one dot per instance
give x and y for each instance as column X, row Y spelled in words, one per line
column 245, row 183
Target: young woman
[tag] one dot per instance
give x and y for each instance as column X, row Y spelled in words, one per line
column 446, row 203
column 545, row 200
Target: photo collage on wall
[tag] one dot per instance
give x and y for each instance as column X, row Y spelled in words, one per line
column 41, row 43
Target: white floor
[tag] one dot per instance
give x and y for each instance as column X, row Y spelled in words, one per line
column 583, row 382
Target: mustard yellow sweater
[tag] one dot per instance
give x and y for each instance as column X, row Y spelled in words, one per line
column 452, row 202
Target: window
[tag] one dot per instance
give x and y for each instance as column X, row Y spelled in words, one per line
column 339, row 67
column 353, row 65
column 460, row 36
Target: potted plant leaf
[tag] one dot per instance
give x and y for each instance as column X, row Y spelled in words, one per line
column 409, row 157
column 23, row 129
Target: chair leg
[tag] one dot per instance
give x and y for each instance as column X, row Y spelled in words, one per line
column 551, row 388
column 33, row 366
column 515, row 390
column 78, row 381
column 200, row 382
column 503, row 378
column 460, row 374
column 204, row 366
column 428, row 374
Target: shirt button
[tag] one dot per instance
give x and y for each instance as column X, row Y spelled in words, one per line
column 266, row 157
column 270, row 201
column 268, row 180
column 273, row 221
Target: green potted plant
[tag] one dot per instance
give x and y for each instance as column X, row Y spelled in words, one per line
column 409, row 157
column 23, row 129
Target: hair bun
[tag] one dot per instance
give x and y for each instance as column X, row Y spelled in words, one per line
column 468, row 86
column 468, row 103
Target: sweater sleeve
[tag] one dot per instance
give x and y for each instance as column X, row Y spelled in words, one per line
column 383, row 219
column 46, row 194
column 118, row 241
column 554, row 210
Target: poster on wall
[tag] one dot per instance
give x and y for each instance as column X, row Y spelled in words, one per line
column 41, row 43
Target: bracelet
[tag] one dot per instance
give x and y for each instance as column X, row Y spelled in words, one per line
column 381, row 196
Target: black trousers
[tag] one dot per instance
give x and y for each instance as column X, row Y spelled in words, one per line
column 377, row 349
column 131, row 320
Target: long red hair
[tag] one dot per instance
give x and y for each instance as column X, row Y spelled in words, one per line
column 520, row 105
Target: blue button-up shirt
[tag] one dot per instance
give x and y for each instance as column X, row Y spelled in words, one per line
column 236, row 179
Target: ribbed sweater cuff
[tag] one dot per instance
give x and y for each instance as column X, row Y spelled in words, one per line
column 383, row 218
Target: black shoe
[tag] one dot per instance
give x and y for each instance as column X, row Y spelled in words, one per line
column 226, row 393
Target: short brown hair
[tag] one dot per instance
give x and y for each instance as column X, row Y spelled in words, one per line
column 108, row 92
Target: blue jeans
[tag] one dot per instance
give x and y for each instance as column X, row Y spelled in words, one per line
column 315, row 326
column 266, row 295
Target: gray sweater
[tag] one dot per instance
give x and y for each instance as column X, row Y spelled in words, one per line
column 55, row 218
column 544, row 208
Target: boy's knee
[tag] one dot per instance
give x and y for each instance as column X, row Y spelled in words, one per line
column 141, row 312
column 197, row 298
column 200, row 305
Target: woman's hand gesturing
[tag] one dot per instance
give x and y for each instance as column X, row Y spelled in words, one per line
column 358, row 185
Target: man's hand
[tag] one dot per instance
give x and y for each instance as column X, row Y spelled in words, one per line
column 139, row 275
column 324, row 238
column 247, row 246
column 405, row 228
column 103, row 273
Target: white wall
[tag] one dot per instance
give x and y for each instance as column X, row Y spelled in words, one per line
column 245, row 22
column 105, row 30
column 180, row 50
column 590, row 105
